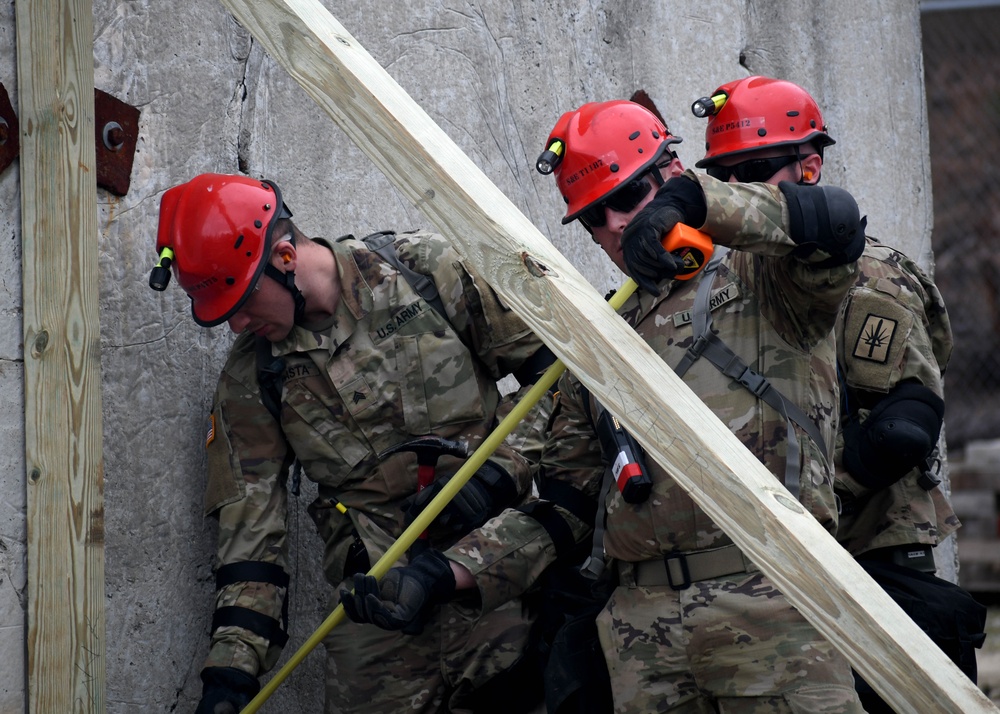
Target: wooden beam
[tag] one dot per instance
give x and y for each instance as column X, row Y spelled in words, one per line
column 813, row 571
column 62, row 361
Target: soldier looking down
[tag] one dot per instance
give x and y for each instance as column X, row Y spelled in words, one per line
column 340, row 367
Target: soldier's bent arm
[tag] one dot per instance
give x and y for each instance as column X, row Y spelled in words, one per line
column 248, row 462
column 509, row 553
column 801, row 270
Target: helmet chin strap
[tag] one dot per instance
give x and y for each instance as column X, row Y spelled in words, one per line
column 287, row 281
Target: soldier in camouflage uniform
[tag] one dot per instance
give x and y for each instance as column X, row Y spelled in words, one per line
column 894, row 341
column 893, row 345
column 339, row 359
column 693, row 625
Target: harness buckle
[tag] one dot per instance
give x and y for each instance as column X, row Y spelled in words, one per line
column 697, row 347
column 755, row 382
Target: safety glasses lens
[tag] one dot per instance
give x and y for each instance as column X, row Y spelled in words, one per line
column 752, row 170
column 623, row 200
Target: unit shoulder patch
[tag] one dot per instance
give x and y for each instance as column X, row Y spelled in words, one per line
column 874, row 341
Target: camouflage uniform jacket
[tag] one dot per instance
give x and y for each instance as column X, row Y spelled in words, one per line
column 894, row 327
column 775, row 311
column 389, row 368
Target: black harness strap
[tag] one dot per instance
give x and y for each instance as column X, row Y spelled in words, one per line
column 270, row 376
column 568, row 497
column 544, row 512
column 382, row 243
column 709, row 345
column 593, row 566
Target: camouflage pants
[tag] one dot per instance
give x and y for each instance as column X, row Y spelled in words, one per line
column 729, row 645
column 443, row 669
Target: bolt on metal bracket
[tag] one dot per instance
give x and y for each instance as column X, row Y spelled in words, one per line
column 116, row 133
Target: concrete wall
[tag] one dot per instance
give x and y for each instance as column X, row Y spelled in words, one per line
column 495, row 76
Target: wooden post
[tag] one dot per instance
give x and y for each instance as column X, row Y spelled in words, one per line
column 62, row 361
column 758, row 513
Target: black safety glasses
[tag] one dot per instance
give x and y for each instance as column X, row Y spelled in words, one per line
column 624, row 200
column 628, row 196
column 752, row 170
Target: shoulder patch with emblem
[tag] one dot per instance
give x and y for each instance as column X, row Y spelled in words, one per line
column 875, row 339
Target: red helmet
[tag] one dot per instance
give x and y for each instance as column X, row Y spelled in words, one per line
column 759, row 112
column 604, row 146
column 219, row 229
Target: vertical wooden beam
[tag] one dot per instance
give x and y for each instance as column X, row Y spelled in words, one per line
column 62, row 366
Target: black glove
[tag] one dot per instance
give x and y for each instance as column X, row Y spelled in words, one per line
column 406, row 596
column 679, row 200
column 899, row 434
column 490, row 490
column 226, row 690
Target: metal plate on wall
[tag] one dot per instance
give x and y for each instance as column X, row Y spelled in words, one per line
column 116, row 131
column 10, row 138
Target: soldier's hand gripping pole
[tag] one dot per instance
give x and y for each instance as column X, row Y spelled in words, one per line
column 421, row 522
column 448, row 492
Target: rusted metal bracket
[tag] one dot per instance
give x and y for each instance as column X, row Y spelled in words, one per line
column 9, row 136
column 116, row 132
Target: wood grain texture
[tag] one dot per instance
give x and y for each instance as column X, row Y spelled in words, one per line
column 62, row 361
column 818, row 576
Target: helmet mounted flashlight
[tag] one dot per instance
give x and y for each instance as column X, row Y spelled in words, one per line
column 707, row 106
column 550, row 158
column 159, row 277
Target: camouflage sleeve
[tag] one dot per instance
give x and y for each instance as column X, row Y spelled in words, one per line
column 485, row 324
column 248, row 461
column 804, row 299
column 510, row 552
column 894, row 327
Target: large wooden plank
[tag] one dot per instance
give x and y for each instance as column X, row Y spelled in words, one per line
column 675, row 427
column 62, row 368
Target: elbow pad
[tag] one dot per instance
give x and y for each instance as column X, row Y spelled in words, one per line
column 899, row 434
column 825, row 217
